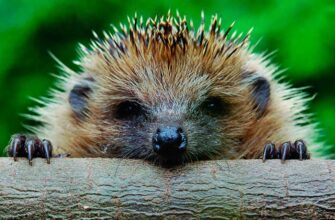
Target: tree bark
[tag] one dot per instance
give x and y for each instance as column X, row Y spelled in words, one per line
column 123, row 189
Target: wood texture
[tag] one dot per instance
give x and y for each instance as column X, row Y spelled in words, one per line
column 113, row 188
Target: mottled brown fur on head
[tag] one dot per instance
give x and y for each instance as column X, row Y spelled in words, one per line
column 173, row 72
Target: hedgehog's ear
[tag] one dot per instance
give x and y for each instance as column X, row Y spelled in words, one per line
column 261, row 95
column 78, row 97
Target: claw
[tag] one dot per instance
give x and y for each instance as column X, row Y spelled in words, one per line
column 30, row 149
column 301, row 149
column 13, row 149
column 269, row 151
column 285, row 149
column 47, row 149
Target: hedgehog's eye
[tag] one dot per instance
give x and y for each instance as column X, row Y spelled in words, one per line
column 128, row 110
column 214, row 106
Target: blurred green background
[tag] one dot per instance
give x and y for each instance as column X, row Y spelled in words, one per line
column 302, row 32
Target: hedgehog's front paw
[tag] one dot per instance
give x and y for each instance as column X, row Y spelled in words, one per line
column 29, row 146
column 286, row 151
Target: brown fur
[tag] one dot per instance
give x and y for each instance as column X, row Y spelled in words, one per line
column 172, row 70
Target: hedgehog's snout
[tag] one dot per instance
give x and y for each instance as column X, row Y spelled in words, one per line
column 169, row 141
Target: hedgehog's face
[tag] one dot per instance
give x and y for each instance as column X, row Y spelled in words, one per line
column 194, row 116
column 170, row 132
column 166, row 95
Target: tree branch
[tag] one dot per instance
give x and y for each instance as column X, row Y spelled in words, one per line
column 114, row 188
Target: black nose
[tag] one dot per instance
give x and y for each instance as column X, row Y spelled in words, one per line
column 169, row 141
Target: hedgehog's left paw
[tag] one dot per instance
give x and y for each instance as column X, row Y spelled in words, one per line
column 286, row 151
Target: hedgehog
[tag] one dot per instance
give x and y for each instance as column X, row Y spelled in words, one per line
column 164, row 92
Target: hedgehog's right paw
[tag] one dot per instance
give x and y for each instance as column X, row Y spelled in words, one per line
column 29, row 146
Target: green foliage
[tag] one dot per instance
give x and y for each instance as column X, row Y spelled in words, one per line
column 301, row 30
